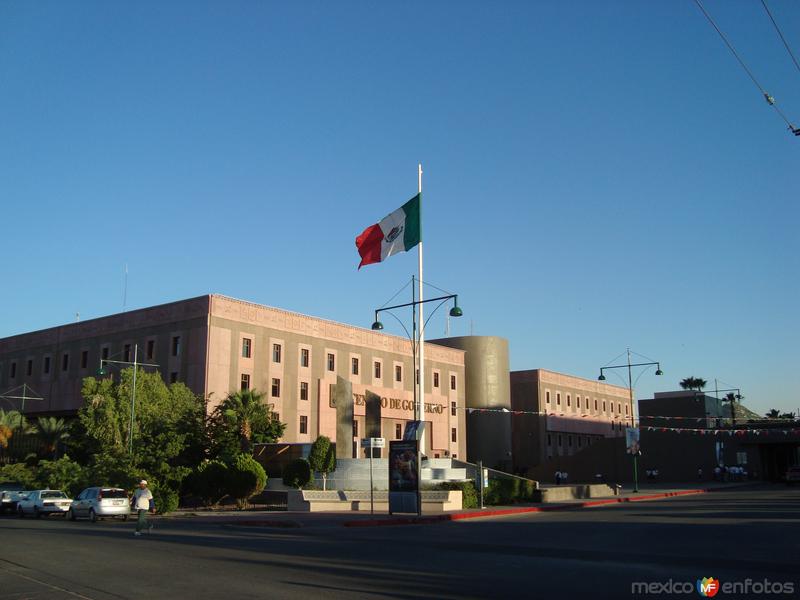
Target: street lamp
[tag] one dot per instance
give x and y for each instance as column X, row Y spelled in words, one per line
column 416, row 337
column 628, row 366
column 102, row 372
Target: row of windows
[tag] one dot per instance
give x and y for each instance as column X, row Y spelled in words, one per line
column 398, row 430
column 587, row 403
column 127, row 356
column 247, row 352
column 579, row 440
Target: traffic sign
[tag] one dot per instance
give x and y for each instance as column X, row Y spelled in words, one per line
column 373, row 442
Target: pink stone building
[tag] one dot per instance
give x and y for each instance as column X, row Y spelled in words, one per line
column 216, row 345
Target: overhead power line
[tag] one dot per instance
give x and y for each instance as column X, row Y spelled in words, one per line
column 770, row 100
column 780, row 34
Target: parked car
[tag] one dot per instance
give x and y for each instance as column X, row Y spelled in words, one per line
column 9, row 495
column 44, row 502
column 792, row 475
column 11, row 500
column 100, row 502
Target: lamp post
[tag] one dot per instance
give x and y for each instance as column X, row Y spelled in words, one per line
column 135, row 364
column 629, row 366
column 416, row 338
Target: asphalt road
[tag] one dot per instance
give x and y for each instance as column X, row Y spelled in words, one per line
column 590, row 553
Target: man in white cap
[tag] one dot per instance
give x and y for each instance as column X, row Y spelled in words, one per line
column 142, row 499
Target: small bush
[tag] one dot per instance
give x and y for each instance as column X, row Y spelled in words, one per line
column 245, row 477
column 18, row 473
column 469, row 493
column 62, row 474
column 208, row 482
column 166, row 499
column 297, row 473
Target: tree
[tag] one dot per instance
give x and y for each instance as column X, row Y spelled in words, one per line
column 51, row 432
column 208, row 481
column 62, row 474
column 693, row 383
column 732, row 398
column 774, row 413
column 240, row 421
column 297, row 474
column 10, row 422
column 167, row 433
column 322, row 458
column 245, row 477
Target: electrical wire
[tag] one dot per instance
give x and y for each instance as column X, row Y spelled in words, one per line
column 770, row 100
column 780, row 33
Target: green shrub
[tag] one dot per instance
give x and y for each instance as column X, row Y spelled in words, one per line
column 208, row 481
column 245, row 477
column 166, row 499
column 297, row 473
column 322, row 458
column 469, row 493
column 62, row 474
column 18, row 473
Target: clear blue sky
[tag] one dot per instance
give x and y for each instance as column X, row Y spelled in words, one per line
column 597, row 174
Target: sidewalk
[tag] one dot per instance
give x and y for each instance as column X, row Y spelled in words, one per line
column 284, row 519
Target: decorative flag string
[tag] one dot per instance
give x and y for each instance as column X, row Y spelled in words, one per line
column 585, row 415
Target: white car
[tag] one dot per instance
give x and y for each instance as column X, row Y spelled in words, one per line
column 44, row 502
column 100, row 502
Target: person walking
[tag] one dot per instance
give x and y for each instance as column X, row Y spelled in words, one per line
column 142, row 503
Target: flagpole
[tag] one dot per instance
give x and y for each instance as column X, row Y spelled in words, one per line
column 421, row 407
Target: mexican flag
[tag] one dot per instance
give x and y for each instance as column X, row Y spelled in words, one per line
column 396, row 232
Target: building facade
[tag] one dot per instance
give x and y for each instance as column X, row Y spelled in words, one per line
column 217, row 345
column 555, row 415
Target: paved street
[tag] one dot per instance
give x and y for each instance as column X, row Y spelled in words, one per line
column 594, row 553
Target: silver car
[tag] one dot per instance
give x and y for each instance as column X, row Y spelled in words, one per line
column 100, row 502
column 44, row 502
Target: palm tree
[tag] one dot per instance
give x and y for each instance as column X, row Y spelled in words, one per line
column 243, row 409
column 52, row 432
column 733, row 399
column 10, row 422
column 693, row 383
column 773, row 414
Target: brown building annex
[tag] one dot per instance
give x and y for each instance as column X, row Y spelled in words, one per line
column 217, row 345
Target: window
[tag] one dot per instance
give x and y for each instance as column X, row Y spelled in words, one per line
column 46, row 367
column 276, row 387
column 276, row 417
column 435, row 379
column 303, row 424
column 173, row 378
column 398, row 373
column 176, row 345
column 150, row 352
column 354, row 362
column 547, row 397
column 626, row 409
column 84, row 359
column 578, row 401
column 126, row 353
column 13, row 370
column 276, row 353
column 331, row 362
column 604, row 406
column 619, row 408
column 245, row 382
column 398, row 431
column 303, row 390
column 549, row 440
column 569, row 400
column 247, row 347
column 559, row 440
column 453, row 409
column 65, row 361
column 105, row 353
column 355, row 427
column 569, row 441
column 579, row 441
column 558, row 399
column 303, row 357
column 377, row 369
column 29, row 368
column 452, row 382
column 453, row 435
column 595, row 404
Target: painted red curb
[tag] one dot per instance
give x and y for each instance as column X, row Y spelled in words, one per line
column 515, row 511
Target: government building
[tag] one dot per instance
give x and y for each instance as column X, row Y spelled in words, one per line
column 217, row 345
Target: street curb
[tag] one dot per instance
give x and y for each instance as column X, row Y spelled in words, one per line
column 516, row 511
column 262, row 523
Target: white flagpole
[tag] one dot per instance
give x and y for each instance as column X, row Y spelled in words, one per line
column 421, row 407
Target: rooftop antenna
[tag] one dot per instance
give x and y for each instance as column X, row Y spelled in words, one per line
column 77, row 317
column 447, row 327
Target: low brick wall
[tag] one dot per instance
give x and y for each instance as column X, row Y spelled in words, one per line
column 353, row 501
